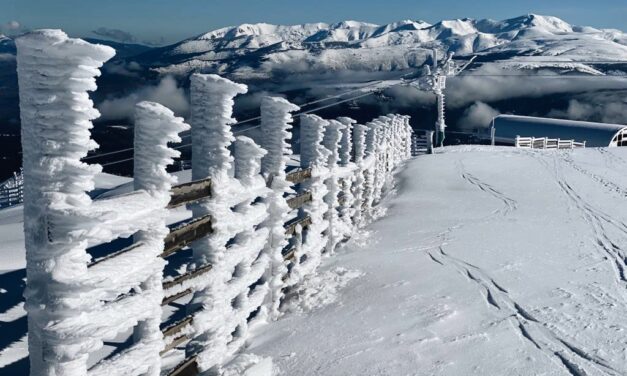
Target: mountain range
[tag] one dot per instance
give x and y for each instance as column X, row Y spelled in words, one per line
column 309, row 61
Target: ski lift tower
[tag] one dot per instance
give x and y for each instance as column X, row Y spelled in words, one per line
column 434, row 79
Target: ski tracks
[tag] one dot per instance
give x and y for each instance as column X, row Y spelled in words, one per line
column 509, row 205
column 609, row 185
column 598, row 221
column 571, row 358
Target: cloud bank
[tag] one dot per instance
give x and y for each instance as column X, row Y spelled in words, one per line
column 166, row 92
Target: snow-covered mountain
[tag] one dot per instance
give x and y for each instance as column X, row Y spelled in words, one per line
column 256, row 50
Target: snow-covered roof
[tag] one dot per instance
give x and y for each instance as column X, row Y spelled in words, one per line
column 507, row 127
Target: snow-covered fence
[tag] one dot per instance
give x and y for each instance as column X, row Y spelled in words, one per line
column 74, row 302
column 256, row 229
column 12, row 190
column 546, row 143
column 422, row 143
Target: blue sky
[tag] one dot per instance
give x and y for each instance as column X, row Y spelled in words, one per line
column 167, row 21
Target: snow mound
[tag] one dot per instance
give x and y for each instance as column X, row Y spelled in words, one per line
column 320, row 290
column 249, row 365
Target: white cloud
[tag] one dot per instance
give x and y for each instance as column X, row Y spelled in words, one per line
column 166, row 92
column 601, row 108
column 492, row 83
column 479, row 115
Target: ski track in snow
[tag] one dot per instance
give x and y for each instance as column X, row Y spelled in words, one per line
column 509, row 204
column 572, row 358
column 598, row 221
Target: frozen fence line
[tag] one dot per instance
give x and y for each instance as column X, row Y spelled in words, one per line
column 256, row 229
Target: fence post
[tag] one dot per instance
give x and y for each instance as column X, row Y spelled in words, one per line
column 331, row 141
column 429, row 142
column 312, row 155
column 56, row 117
column 359, row 137
column 155, row 126
column 346, row 182
column 211, row 119
column 276, row 122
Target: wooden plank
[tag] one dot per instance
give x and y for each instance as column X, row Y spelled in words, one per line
column 177, row 327
column 187, row 367
column 175, row 342
column 174, row 297
column 189, row 192
column 187, row 276
column 290, row 227
column 181, row 236
column 289, row 255
column 299, row 200
column 298, row 176
column 114, row 254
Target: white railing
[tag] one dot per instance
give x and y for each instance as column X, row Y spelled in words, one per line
column 547, row 143
column 12, row 190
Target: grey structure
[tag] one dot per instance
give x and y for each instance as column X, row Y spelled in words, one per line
column 507, row 127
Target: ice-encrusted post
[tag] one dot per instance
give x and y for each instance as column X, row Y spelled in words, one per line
column 155, row 127
column 312, row 155
column 211, row 119
column 370, row 168
column 359, row 143
column 55, row 74
column 346, row 211
column 276, row 122
column 331, row 141
column 408, row 136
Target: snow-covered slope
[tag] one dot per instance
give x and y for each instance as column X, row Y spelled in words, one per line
column 255, row 50
column 489, row 261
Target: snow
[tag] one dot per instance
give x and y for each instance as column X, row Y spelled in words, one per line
column 490, row 261
column 352, row 45
column 55, row 74
column 276, row 121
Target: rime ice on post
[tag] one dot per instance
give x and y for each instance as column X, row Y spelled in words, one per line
column 211, row 119
column 155, row 126
column 247, row 159
column 346, row 211
column 331, row 141
column 276, row 121
column 359, row 143
column 232, row 289
column 54, row 74
column 312, row 155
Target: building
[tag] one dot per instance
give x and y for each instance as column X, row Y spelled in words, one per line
column 507, row 127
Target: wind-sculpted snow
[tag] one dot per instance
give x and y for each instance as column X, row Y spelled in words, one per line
column 155, row 127
column 55, row 74
column 74, row 305
column 337, row 229
column 224, row 299
column 211, row 116
column 154, row 123
column 276, row 121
